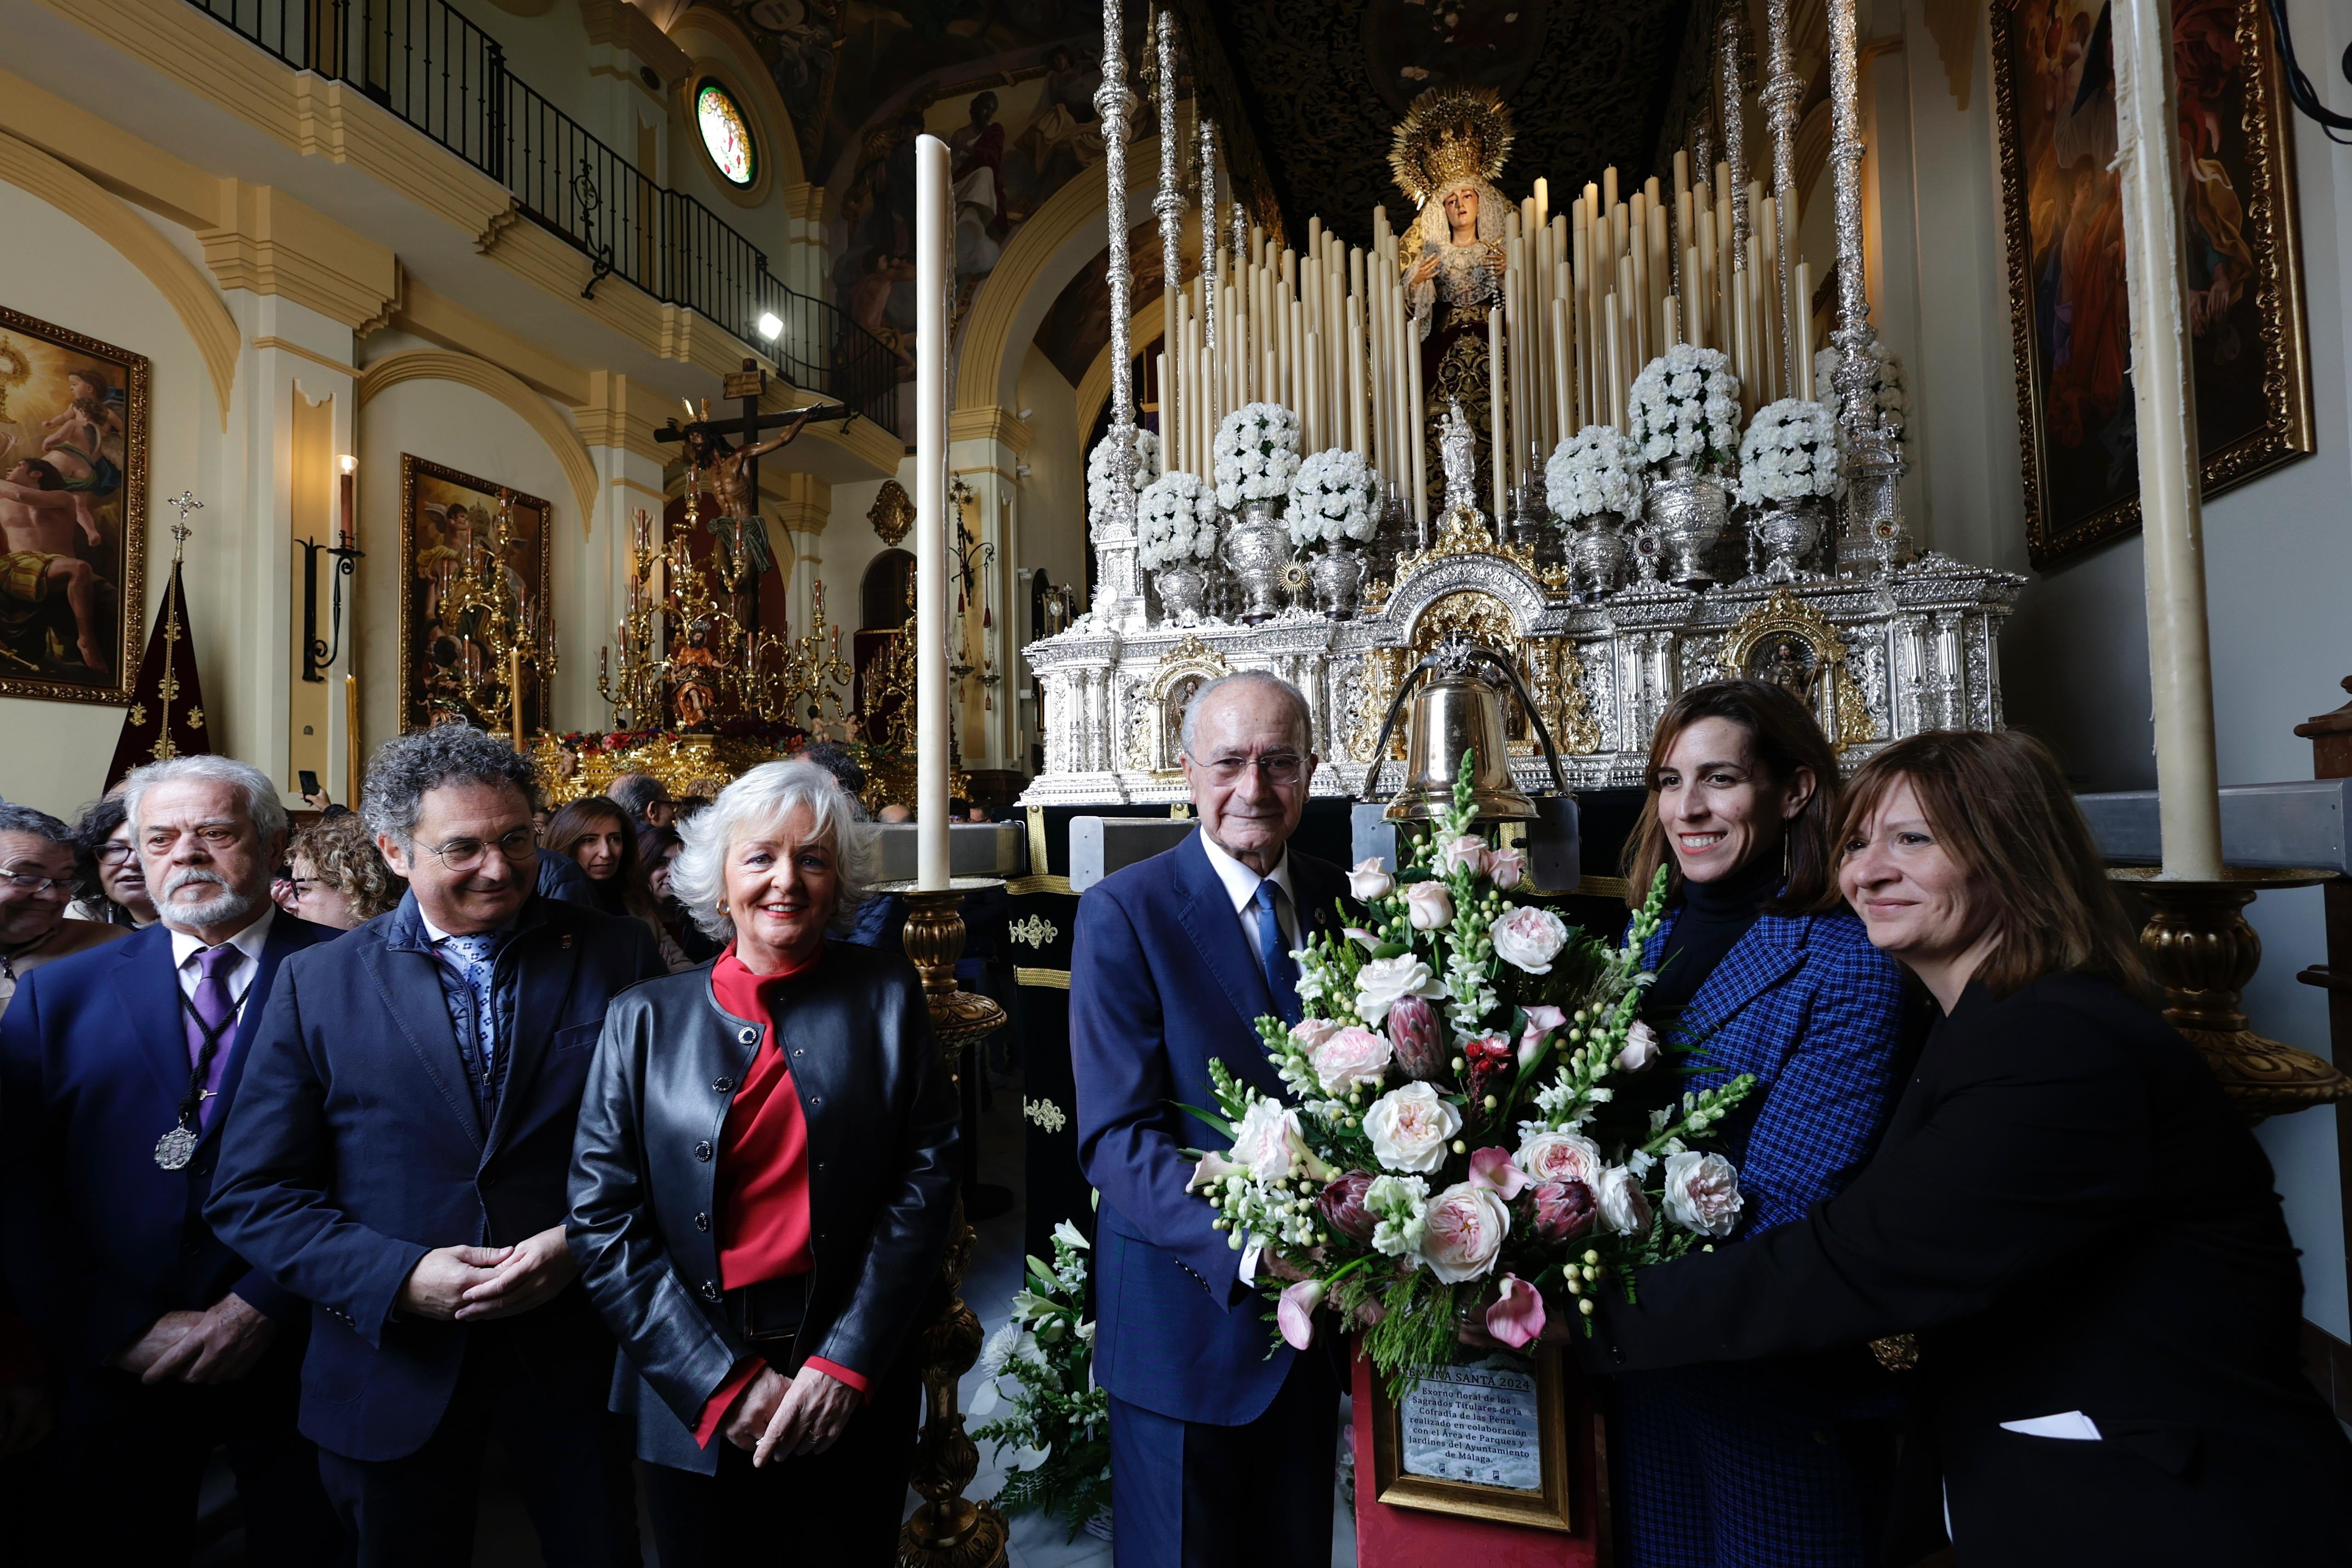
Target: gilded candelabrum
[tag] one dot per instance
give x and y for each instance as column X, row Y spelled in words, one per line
column 949, row 1531
column 499, row 634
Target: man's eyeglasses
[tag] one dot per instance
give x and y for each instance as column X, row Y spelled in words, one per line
column 32, row 881
column 1282, row 768
column 465, row 855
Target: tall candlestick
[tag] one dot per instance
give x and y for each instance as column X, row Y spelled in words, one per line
column 2172, row 525
column 932, row 239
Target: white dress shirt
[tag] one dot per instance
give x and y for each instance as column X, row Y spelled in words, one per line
column 239, row 976
column 1241, row 886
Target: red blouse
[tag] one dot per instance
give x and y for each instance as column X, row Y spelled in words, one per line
column 762, row 1219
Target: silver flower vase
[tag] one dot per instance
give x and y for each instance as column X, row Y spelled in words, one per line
column 1786, row 534
column 1687, row 511
column 1183, row 592
column 1597, row 556
column 1255, row 549
column 1339, row 575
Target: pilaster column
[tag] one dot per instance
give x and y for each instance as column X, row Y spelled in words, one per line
column 985, row 448
column 617, row 424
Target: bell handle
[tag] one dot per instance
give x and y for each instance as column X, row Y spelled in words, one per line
column 1371, row 793
column 1535, row 714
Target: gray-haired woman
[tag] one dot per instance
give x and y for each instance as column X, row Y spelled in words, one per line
column 761, row 1191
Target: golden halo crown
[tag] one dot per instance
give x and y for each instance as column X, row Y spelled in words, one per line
column 1450, row 134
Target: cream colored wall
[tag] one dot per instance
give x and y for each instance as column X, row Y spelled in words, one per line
column 1054, row 496
column 53, row 755
column 2278, row 551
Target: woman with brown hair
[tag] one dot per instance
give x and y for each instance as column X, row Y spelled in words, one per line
column 340, row 880
column 597, row 835
column 1765, row 972
column 2065, row 1212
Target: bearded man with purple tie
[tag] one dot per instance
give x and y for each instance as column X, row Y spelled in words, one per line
column 118, row 1068
column 1222, row 1438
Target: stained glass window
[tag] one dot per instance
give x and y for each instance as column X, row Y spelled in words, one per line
column 725, row 134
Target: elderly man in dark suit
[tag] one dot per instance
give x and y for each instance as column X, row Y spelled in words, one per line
column 400, row 1159
column 1222, row 1438
column 121, row 1067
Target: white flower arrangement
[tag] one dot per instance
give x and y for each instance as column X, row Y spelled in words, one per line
column 1175, row 520
column 1147, row 469
column 1685, row 405
column 1335, row 496
column 1887, row 385
column 1598, row 470
column 1790, row 454
column 1256, row 455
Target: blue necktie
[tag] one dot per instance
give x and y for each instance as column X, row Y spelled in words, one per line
column 1281, row 968
column 477, row 956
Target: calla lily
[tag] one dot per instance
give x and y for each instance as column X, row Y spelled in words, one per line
column 1492, row 1170
column 1516, row 1314
column 1296, row 1313
column 1214, row 1167
column 1367, row 940
column 1541, row 1021
column 1305, row 1162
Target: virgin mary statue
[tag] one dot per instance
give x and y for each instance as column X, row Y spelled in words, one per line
column 1447, row 152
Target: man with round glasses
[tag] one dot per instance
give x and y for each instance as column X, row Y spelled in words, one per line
column 400, row 1156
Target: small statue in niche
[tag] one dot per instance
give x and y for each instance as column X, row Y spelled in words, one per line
column 1791, row 666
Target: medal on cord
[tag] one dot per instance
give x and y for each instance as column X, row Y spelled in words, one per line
column 177, row 1146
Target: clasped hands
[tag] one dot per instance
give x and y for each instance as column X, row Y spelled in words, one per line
column 219, row 1344
column 470, row 1284
column 802, row 1414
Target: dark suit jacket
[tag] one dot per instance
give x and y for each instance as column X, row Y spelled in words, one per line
column 1161, row 980
column 99, row 1240
column 2071, row 1217
column 356, row 1148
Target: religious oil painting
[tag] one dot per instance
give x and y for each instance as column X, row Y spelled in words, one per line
column 73, row 512
column 476, row 558
column 2055, row 93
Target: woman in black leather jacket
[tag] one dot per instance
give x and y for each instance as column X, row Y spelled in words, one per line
column 761, row 1193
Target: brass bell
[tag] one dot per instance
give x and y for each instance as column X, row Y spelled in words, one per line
column 1459, row 709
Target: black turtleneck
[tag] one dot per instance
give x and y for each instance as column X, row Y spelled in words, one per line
column 1713, row 918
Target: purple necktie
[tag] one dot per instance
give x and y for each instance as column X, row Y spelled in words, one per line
column 214, row 1011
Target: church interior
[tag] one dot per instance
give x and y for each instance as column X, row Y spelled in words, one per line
column 592, row 373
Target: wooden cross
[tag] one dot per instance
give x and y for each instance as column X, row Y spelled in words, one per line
column 748, row 385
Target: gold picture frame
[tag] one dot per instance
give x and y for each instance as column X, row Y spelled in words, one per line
column 1548, row 1508
column 72, row 403
column 2053, row 103
column 427, row 492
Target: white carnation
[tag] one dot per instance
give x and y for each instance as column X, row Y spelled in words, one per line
column 1595, row 471
column 1176, row 520
column 1334, row 495
column 1147, row 469
column 1256, row 455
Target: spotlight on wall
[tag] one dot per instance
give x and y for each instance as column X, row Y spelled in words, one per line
column 350, row 463
column 771, row 327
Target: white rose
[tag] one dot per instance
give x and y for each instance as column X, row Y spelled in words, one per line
column 1641, row 1048
column 1462, row 1231
column 1312, row 1033
column 1411, row 1127
column 1702, row 1192
column 1529, row 938
column 1262, row 1141
column 1380, row 983
column 1560, row 1156
column 1624, row 1207
column 1350, row 1058
column 1469, row 852
column 1429, row 906
column 1369, row 879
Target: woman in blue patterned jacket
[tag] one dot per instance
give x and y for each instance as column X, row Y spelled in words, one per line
column 1779, row 1465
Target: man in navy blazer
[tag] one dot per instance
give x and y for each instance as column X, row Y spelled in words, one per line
column 1223, row 1438
column 118, row 1069
column 399, row 1158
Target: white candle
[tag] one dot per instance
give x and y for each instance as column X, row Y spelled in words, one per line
column 932, row 237
column 1497, row 408
column 1420, row 429
column 2163, row 394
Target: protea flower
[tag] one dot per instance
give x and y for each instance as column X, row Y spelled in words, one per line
column 1419, row 1039
column 1342, row 1204
column 1561, row 1210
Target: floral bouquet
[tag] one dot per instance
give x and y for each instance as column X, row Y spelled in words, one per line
column 1449, row 1146
column 1335, row 496
column 1886, row 386
column 1176, row 520
column 1595, row 472
column 1256, row 455
column 1147, row 469
column 1686, row 406
column 1790, row 454
column 1059, row 1423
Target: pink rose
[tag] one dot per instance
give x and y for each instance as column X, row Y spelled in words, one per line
column 1560, row 1156
column 1369, row 879
column 1529, row 938
column 1312, row 1033
column 1641, row 1048
column 1469, row 852
column 1263, row 1138
column 1541, row 1021
column 1702, row 1193
column 1462, row 1232
column 1492, row 1170
column 1625, row 1206
column 1350, row 1058
column 1295, row 1312
column 1411, row 1127
column 1516, row 1314
column 1428, row 905
column 1506, row 867
column 1418, row 1038
column 1560, row 1211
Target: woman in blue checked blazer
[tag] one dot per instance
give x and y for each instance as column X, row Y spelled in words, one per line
column 1786, row 1464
